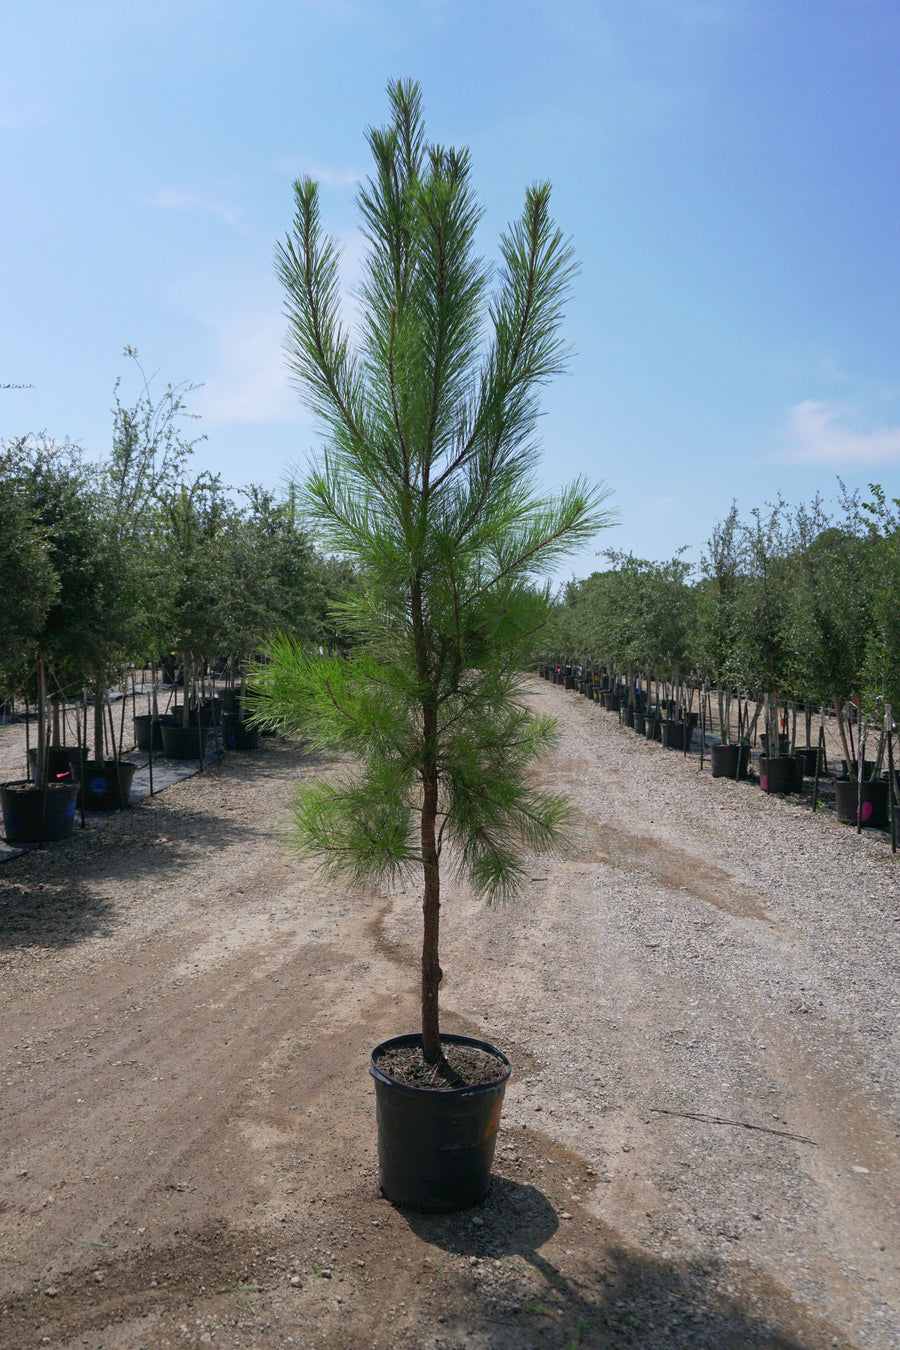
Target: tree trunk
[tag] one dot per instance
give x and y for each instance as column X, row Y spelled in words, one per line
column 839, row 713
column 40, row 772
column 187, row 689
column 99, row 754
column 431, row 906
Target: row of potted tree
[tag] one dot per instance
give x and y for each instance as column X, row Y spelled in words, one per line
column 104, row 565
column 797, row 606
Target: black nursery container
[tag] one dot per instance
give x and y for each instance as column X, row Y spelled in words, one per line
column 436, row 1149
column 875, row 799
column 31, row 816
column 780, row 774
column 105, row 786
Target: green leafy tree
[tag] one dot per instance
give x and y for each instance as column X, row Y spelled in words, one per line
column 145, row 469
column 79, row 627
column 765, row 640
column 270, row 577
column 831, row 599
column 427, row 486
column 28, row 581
column 881, row 518
column 717, row 613
column 190, row 520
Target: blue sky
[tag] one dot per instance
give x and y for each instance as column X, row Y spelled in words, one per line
column 728, row 170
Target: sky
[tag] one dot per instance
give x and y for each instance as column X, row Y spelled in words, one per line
column 728, row 171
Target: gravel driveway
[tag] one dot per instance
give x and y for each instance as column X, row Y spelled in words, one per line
column 701, row 1139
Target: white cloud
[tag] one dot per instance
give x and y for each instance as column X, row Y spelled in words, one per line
column 177, row 199
column 248, row 379
column 818, row 434
column 328, row 177
column 249, row 383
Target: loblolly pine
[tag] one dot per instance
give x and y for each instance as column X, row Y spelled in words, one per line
column 427, row 485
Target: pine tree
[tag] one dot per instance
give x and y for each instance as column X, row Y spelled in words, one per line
column 427, row 486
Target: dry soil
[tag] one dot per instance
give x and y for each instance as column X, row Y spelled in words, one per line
column 700, row 1138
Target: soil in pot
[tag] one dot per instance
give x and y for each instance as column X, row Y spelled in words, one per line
column 436, row 1137
column 31, row 816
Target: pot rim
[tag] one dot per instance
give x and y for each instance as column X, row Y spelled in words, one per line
column 451, row 1094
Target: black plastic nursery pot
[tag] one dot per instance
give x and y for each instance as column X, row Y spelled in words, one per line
column 780, row 774
column 59, row 763
column 874, row 806
column 206, row 714
column 105, row 785
column 237, row 735
column 806, row 757
column 436, row 1149
column 868, row 767
column 676, row 736
column 33, row 816
column 730, row 761
column 181, row 742
column 142, row 725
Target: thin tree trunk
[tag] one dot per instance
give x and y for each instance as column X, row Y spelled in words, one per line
column 431, row 905
column 40, row 774
column 99, row 755
column 848, row 757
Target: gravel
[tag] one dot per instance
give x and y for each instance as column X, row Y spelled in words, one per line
column 701, row 1139
column 708, row 950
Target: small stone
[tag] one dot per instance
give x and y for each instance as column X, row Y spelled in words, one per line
column 325, row 1274
column 564, row 1214
column 51, row 1292
column 99, row 1276
column 477, row 1221
column 296, row 1281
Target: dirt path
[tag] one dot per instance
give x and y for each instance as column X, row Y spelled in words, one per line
column 188, row 1126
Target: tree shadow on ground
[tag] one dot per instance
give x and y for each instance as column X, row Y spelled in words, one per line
column 52, row 896
column 54, row 915
column 598, row 1293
